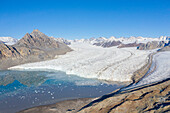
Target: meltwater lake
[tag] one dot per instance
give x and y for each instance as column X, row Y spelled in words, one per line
column 24, row 89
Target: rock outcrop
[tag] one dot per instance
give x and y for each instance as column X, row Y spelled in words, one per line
column 31, row 48
column 151, row 45
column 166, row 47
column 108, row 43
column 129, row 45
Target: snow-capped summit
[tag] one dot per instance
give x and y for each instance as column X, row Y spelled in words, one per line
column 8, row 40
column 91, row 40
column 62, row 40
column 113, row 41
column 164, row 38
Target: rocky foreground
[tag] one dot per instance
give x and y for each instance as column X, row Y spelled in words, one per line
column 153, row 98
column 33, row 47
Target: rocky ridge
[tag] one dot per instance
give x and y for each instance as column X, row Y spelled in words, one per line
column 108, row 43
column 152, row 45
column 125, row 42
column 129, row 45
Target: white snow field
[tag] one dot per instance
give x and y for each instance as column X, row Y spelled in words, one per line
column 91, row 61
column 8, row 40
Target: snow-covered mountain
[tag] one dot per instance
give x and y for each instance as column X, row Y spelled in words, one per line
column 8, row 40
column 113, row 41
column 138, row 39
column 123, row 39
column 62, row 40
column 91, row 40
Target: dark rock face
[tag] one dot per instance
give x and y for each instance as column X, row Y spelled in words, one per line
column 151, row 45
column 37, row 40
column 31, row 48
column 129, row 45
column 108, row 43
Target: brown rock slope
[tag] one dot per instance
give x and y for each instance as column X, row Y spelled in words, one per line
column 31, row 48
column 154, row 98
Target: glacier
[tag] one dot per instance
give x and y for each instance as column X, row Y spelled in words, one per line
column 89, row 61
column 161, row 61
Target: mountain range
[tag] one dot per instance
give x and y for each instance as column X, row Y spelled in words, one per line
column 96, row 41
column 37, row 46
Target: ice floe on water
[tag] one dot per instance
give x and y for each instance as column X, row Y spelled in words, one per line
column 25, row 89
column 91, row 61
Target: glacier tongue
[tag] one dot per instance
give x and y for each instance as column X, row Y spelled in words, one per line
column 162, row 71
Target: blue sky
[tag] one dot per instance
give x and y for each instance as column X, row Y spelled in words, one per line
column 73, row 19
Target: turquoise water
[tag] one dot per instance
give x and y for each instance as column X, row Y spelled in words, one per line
column 24, row 89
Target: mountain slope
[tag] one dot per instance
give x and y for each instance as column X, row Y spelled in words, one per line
column 31, row 48
column 149, row 99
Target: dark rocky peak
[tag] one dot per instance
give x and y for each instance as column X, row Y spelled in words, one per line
column 33, row 47
column 37, row 39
